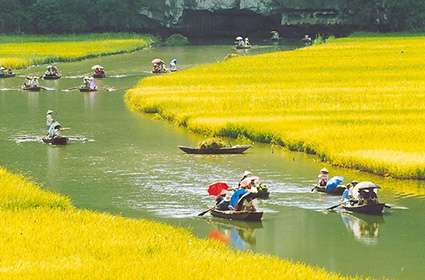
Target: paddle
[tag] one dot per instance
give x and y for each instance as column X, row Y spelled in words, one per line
column 314, row 188
column 387, row 206
column 333, row 207
column 205, row 212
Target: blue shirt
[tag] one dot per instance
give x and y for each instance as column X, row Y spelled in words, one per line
column 346, row 194
column 236, row 196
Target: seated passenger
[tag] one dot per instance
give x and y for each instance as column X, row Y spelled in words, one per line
column 222, row 202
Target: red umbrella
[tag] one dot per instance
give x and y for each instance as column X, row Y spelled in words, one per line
column 217, row 188
column 218, row 236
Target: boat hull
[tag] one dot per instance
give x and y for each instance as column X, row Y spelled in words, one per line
column 209, row 151
column 87, row 90
column 5, row 76
column 99, row 76
column 238, row 215
column 263, row 195
column 336, row 191
column 56, row 140
column 371, row 209
column 32, row 88
column 51, row 77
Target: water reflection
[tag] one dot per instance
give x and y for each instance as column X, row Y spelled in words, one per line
column 364, row 228
column 238, row 235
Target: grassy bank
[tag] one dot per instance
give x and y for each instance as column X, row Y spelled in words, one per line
column 356, row 102
column 23, row 50
column 44, row 236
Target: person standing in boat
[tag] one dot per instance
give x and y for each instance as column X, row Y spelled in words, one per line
column 323, row 177
column 247, row 44
column 173, row 65
column 92, row 84
column 49, row 119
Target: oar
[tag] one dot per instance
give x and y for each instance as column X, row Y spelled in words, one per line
column 387, row 206
column 315, row 186
column 205, row 212
column 333, row 207
column 73, row 88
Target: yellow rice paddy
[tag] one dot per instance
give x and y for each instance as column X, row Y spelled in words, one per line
column 45, row 237
column 355, row 102
column 33, row 50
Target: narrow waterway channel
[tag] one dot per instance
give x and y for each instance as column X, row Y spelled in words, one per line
column 128, row 164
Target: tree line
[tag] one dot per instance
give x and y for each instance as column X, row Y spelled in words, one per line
column 81, row 16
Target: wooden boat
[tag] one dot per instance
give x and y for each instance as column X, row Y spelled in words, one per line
column 263, row 194
column 51, row 77
column 242, row 47
column 84, row 89
column 337, row 191
column 238, row 215
column 58, row 140
column 99, row 75
column 31, row 88
column 160, row 72
column 371, row 208
column 215, row 151
column 7, row 75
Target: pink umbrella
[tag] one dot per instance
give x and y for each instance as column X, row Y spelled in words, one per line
column 157, row 61
column 247, row 181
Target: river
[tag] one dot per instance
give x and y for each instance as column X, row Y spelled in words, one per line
column 128, row 164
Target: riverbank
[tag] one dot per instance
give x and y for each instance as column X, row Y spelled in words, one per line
column 355, row 102
column 18, row 51
column 45, row 236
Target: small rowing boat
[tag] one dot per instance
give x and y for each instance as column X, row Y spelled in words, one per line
column 337, row 191
column 212, row 151
column 58, row 140
column 263, row 194
column 85, row 89
column 238, row 215
column 370, row 208
column 7, row 75
column 243, row 47
column 99, row 75
column 31, row 88
column 51, row 77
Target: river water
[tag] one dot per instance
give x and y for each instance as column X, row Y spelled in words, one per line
column 126, row 163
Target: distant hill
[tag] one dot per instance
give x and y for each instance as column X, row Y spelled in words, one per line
column 211, row 17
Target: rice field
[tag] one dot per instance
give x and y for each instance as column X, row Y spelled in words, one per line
column 23, row 50
column 355, row 102
column 45, row 237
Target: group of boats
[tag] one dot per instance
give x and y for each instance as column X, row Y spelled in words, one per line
column 356, row 197
column 32, row 82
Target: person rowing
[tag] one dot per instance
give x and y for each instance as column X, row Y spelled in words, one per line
column 323, row 177
column 52, row 70
column 173, row 65
column 31, row 83
column 49, row 119
column 55, row 129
